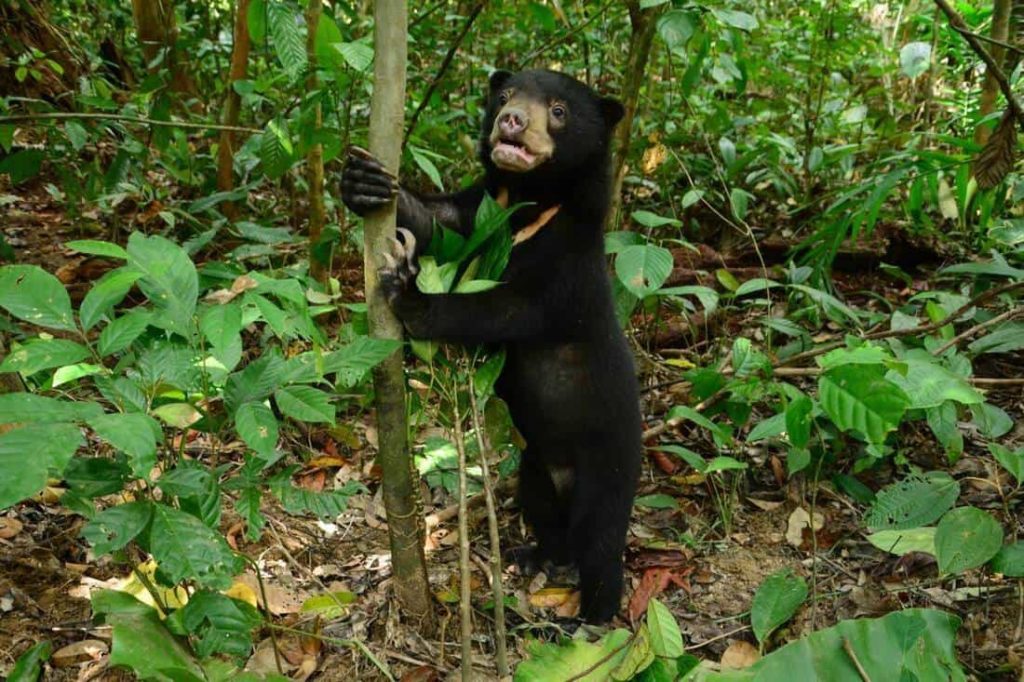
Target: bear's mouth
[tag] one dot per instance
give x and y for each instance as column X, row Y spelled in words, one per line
column 515, row 155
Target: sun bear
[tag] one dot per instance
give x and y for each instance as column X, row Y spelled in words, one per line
column 568, row 378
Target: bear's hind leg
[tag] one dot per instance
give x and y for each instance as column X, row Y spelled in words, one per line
column 545, row 511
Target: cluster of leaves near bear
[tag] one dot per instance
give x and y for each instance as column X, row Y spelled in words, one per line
column 114, row 389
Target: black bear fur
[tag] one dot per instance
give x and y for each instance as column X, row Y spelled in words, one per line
column 568, row 379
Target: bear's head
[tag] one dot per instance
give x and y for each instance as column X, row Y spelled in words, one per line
column 546, row 123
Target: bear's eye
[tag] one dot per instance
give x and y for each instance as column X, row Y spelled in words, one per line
column 558, row 111
column 503, row 97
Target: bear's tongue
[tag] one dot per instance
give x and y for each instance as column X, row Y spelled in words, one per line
column 514, row 149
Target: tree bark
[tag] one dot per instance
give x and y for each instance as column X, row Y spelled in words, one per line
column 643, row 22
column 315, row 155
column 233, row 106
column 990, row 90
column 401, row 492
column 156, row 31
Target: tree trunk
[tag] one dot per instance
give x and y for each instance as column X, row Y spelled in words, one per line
column 233, row 106
column 990, row 90
column 401, row 492
column 315, row 155
column 643, row 22
column 157, row 32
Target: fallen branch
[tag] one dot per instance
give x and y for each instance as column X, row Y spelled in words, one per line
column 971, row 331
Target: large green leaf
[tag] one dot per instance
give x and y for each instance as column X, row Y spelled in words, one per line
column 859, row 398
column 115, row 527
column 142, row 643
column 915, row 644
column 30, row 293
column 1010, row 561
column 305, row 404
column 577, row 660
column 28, row 453
column 106, row 293
column 666, row 639
column 900, row 542
column 326, row 504
column 29, row 665
column 41, row 353
column 288, row 37
column 123, row 331
column 257, row 426
column 352, row 362
column 185, row 548
column 134, row 434
column 929, row 384
column 913, row 502
column 219, row 623
column 966, row 538
column 643, row 268
column 169, row 280
column 775, row 602
column 676, row 27
column 29, row 407
column 221, row 326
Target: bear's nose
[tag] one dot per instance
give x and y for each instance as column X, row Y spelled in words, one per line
column 513, row 121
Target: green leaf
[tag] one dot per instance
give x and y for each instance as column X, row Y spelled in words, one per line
column 325, row 505
column 643, row 268
column 1006, row 339
column 257, row 19
column 775, row 602
column 676, row 27
column 329, row 606
column 113, row 528
column 305, row 404
column 28, row 453
column 169, row 281
column 799, row 417
column 747, row 360
column 90, row 477
column 276, row 152
column 966, row 538
column 28, row 407
column 31, row 294
column 178, row 415
column 913, row 644
column 913, row 502
column 758, row 285
column 648, row 219
column 327, row 37
column 186, row 549
column 221, row 325
column 944, row 424
column 135, row 434
column 29, row 665
column 220, row 624
column 357, row 55
column 666, row 640
column 123, row 332
column 288, row 38
column 928, row 384
column 22, row 165
column 1009, row 561
column 861, row 355
column 105, row 294
column 740, row 20
column 353, row 361
column 427, row 166
column 859, row 398
column 95, row 247
column 257, row 426
column 142, row 643
column 577, row 659
column 915, row 58
column 657, row 502
column 721, row 434
column 991, row 420
column 638, row 656
column 1011, row 460
column 772, row 427
column 900, row 542
column 38, row 354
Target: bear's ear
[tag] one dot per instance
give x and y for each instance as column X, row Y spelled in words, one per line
column 612, row 110
column 498, row 79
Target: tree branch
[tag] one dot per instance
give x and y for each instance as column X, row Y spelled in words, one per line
column 62, row 115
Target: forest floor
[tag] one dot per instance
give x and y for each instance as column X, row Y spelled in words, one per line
column 704, row 559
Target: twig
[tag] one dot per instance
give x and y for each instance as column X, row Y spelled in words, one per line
column 971, row 331
column 448, row 513
column 443, row 68
column 998, row 43
column 848, row 648
column 957, row 22
column 501, row 647
column 465, row 576
column 62, row 115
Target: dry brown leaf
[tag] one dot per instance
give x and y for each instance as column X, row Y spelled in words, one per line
column 9, row 527
column 423, row 673
column 327, row 461
column 799, row 520
column 79, row 652
column 570, row 608
column 550, row 597
column 739, row 655
column 280, row 600
column 654, row 156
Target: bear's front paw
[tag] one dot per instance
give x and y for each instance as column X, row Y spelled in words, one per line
column 365, row 183
column 398, row 275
